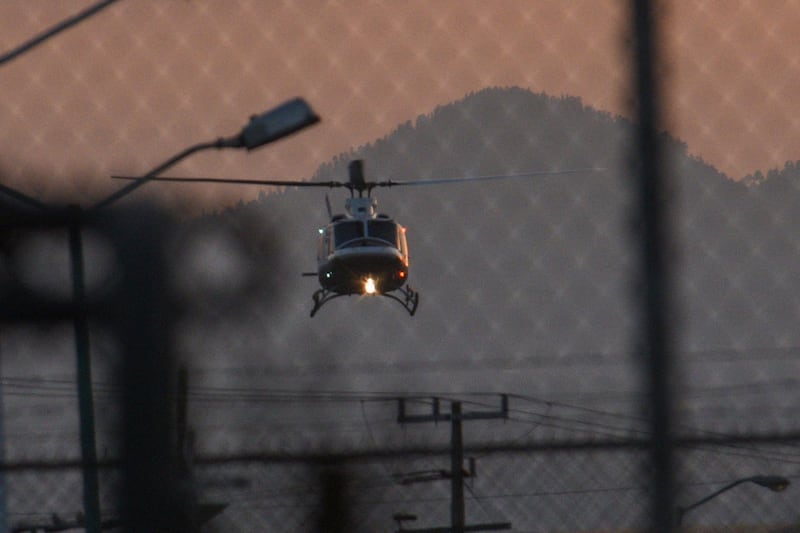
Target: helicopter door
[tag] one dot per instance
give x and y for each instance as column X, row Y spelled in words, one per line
column 325, row 243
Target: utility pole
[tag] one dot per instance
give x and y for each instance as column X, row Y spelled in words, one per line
column 457, row 518
column 91, row 483
column 456, row 417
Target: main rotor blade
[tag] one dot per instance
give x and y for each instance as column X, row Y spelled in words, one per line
column 392, row 183
column 329, row 184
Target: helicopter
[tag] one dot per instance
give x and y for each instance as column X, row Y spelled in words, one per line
column 361, row 251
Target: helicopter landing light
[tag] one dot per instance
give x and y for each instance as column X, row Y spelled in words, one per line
column 369, row 286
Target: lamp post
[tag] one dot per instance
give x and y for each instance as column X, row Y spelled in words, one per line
column 773, row 483
column 279, row 122
column 270, row 126
column 287, row 118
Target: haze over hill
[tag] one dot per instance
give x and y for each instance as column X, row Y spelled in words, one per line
column 526, row 288
column 520, row 274
column 526, row 285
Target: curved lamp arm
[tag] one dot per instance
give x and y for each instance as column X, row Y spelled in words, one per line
column 773, row 483
column 275, row 124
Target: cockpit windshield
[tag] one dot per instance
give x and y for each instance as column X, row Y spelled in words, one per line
column 351, row 233
column 347, row 231
column 385, row 230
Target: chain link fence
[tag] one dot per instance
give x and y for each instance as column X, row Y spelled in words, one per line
column 588, row 354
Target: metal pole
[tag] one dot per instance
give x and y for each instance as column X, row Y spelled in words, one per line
column 457, row 518
column 152, row 496
column 3, row 485
column 127, row 189
column 91, row 490
column 656, row 338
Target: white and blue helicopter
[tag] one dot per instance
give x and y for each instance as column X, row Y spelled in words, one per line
column 363, row 252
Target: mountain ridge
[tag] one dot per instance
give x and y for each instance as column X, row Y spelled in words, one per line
column 520, row 268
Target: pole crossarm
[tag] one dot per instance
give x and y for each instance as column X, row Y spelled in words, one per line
column 457, row 473
column 495, row 526
column 438, row 416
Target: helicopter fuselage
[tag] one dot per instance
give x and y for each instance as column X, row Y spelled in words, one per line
column 365, row 254
column 361, row 252
column 362, row 255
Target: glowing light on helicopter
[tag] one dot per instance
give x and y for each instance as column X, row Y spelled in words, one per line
column 369, row 286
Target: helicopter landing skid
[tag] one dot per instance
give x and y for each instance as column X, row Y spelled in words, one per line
column 409, row 301
column 321, row 296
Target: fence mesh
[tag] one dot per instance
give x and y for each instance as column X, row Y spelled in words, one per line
column 160, row 370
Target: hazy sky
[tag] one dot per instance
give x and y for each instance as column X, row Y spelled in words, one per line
column 143, row 79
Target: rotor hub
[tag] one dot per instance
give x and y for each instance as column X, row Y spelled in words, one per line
column 361, row 208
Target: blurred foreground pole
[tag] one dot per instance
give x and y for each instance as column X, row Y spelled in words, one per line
column 457, row 513
column 3, row 485
column 655, row 306
column 91, row 484
column 334, row 514
column 153, row 498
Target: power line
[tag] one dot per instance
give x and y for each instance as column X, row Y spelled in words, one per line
column 36, row 387
column 257, row 394
column 53, row 31
column 544, row 360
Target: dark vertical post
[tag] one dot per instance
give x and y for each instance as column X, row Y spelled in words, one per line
column 91, row 496
column 3, row 485
column 182, row 419
column 655, row 306
column 152, row 495
column 334, row 516
column 456, row 474
column 457, row 518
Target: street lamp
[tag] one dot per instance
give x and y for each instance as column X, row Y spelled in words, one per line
column 281, row 121
column 270, row 126
column 287, row 118
column 773, row 483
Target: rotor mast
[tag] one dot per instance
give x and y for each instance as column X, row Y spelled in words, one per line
column 360, row 207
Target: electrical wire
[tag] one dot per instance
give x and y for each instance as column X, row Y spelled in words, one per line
column 60, row 388
column 233, row 394
column 53, row 31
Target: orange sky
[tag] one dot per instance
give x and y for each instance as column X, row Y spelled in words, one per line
column 133, row 85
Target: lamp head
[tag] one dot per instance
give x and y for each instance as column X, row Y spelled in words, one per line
column 773, row 483
column 276, row 123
